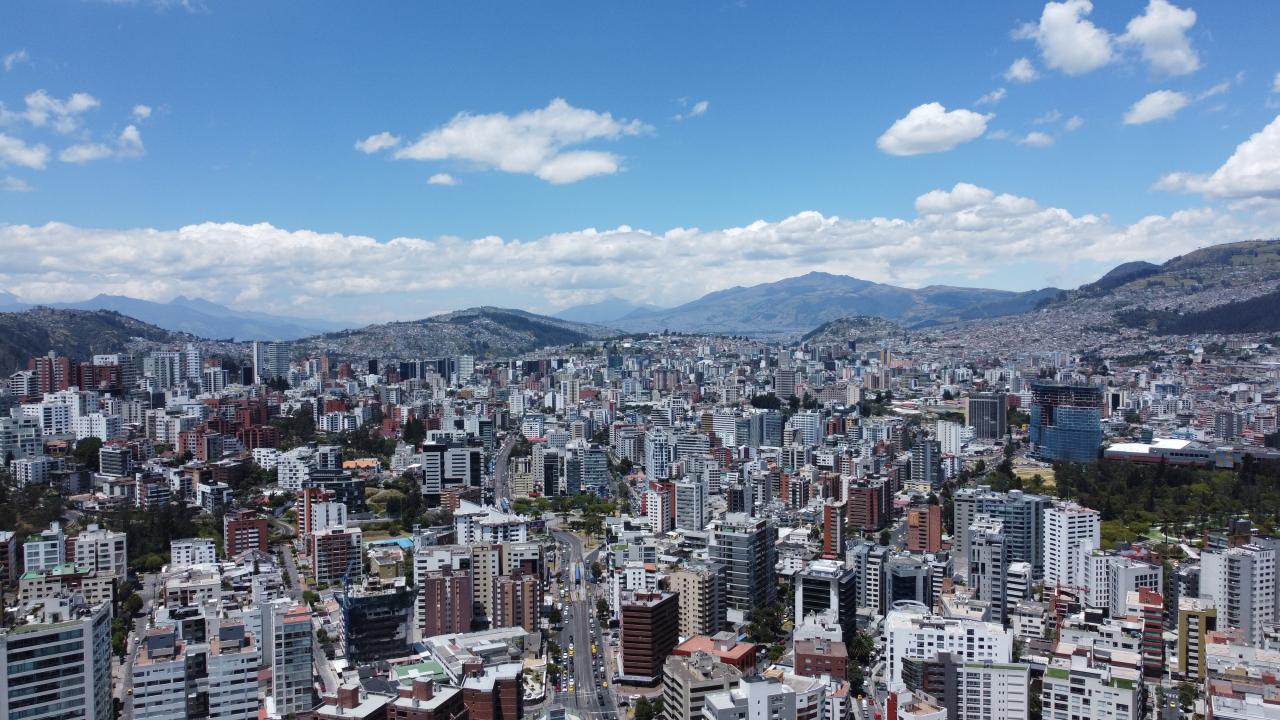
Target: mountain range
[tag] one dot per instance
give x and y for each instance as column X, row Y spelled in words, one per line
column 75, row 333
column 796, row 305
column 607, row 311
column 193, row 315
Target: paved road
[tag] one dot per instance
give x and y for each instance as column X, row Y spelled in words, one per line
column 125, row 680
column 578, row 630
column 501, row 485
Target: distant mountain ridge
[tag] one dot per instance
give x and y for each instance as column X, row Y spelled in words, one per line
column 606, row 311
column 482, row 331
column 75, row 333
column 796, row 305
column 195, row 316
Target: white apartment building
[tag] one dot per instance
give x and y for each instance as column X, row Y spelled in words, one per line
column 192, row 551
column 103, row 550
column 1242, row 583
column 1068, row 527
column 911, row 631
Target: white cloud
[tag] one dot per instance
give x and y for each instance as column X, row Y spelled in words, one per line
column 1161, row 32
column 13, row 184
column 699, row 109
column 1252, row 171
column 127, row 145
column 1275, row 84
column 13, row 151
column 377, row 143
column 1068, row 41
column 965, row 232
column 1052, row 116
column 998, row 135
column 1037, row 139
column 1073, row 123
column 1218, row 89
column 442, row 179
column 15, row 58
column 1159, row 105
column 141, row 112
column 1021, row 71
column 930, row 128
column 533, row 142
column 43, row 109
column 992, row 97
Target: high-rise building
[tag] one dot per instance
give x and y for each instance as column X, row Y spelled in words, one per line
column 1197, row 617
column 233, row 661
column 159, row 677
column 377, row 618
column 105, row 551
column 57, row 662
column 242, row 531
column 659, row 453
column 989, row 415
column 445, row 602
column 926, row 459
column 973, row 690
column 1021, row 513
column 290, row 655
column 1066, row 422
column 746, row 547
column 1069, row 528
column 1242, row 584
column 692, row 504
column 649, row 625
column 701, row 598
column 924, row 528
column 912, row 633
column 828, row 587
column 988, row 564
column 516, row 601
column 1083, row 690
column 833, row 529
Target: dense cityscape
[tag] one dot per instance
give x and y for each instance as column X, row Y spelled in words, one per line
column 611, row 360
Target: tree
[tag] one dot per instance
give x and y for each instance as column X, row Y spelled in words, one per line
column 555, row 617
column 645, row 709
column 766, row 402
column 86, row 452
column 885, row 537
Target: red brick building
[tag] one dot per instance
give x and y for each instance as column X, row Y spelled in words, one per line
column 244, row 531
column 650, row 623
column 821, row 657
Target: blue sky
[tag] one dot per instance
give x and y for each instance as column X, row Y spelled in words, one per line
column 255, row 110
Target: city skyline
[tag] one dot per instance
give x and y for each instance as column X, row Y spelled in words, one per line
column 1012, row 147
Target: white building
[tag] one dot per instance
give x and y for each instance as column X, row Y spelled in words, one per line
column 912, row 632
column 99, row 425
column 192, row 551
column 1242, row 583
column 233, row 663
column 1068, row 527
column 103, row 550
column 692, row 504
column 1080, row 691
column 476, row 524
column 159, row 677
column 31, row 470
column 657, row 507
column 46, row 550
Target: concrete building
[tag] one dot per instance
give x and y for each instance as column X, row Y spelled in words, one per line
column 687, row 680
column 692, row 504
column 649, row 627
column 45, row 550
column 1081, row 690
column 755, row 698
column 924, row 528
column 1241, row 581
column 290, row 656
column 1068, row 528
column 37, row 585
column 103, row 550
column 73, row 641
column 701, row 593
column 988, row 415
column 233, row 661
column 912, row 633
column 424, row 700
column 746, row 547
column 445, row 600
column 159, row 676
column 827, row 586
column 192, row 551
column 1022, row 515
column 820, row 656
column 243, row 530
column 1197, row 617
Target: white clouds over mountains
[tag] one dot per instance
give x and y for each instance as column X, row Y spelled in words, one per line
column 534, row 142
column 964, row 232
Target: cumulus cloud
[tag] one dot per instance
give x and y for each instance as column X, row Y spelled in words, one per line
column 1052, row 116
column 533, row 142
column 442, row 179
column 1275, row 84
column 43, row 109
column 1068, row 41
column 1073, row 123
column 13, row 184
column 992, row 97
column 930, row 128
column 13, row 151
column 1037, row 139
column 127, row 145
column 1158, row 105
column 964, row 232
column 141, row 112
column 15, row 58
column 1021, row 71
column 1161, row 33
column 377, row 143
column 1252, row 171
